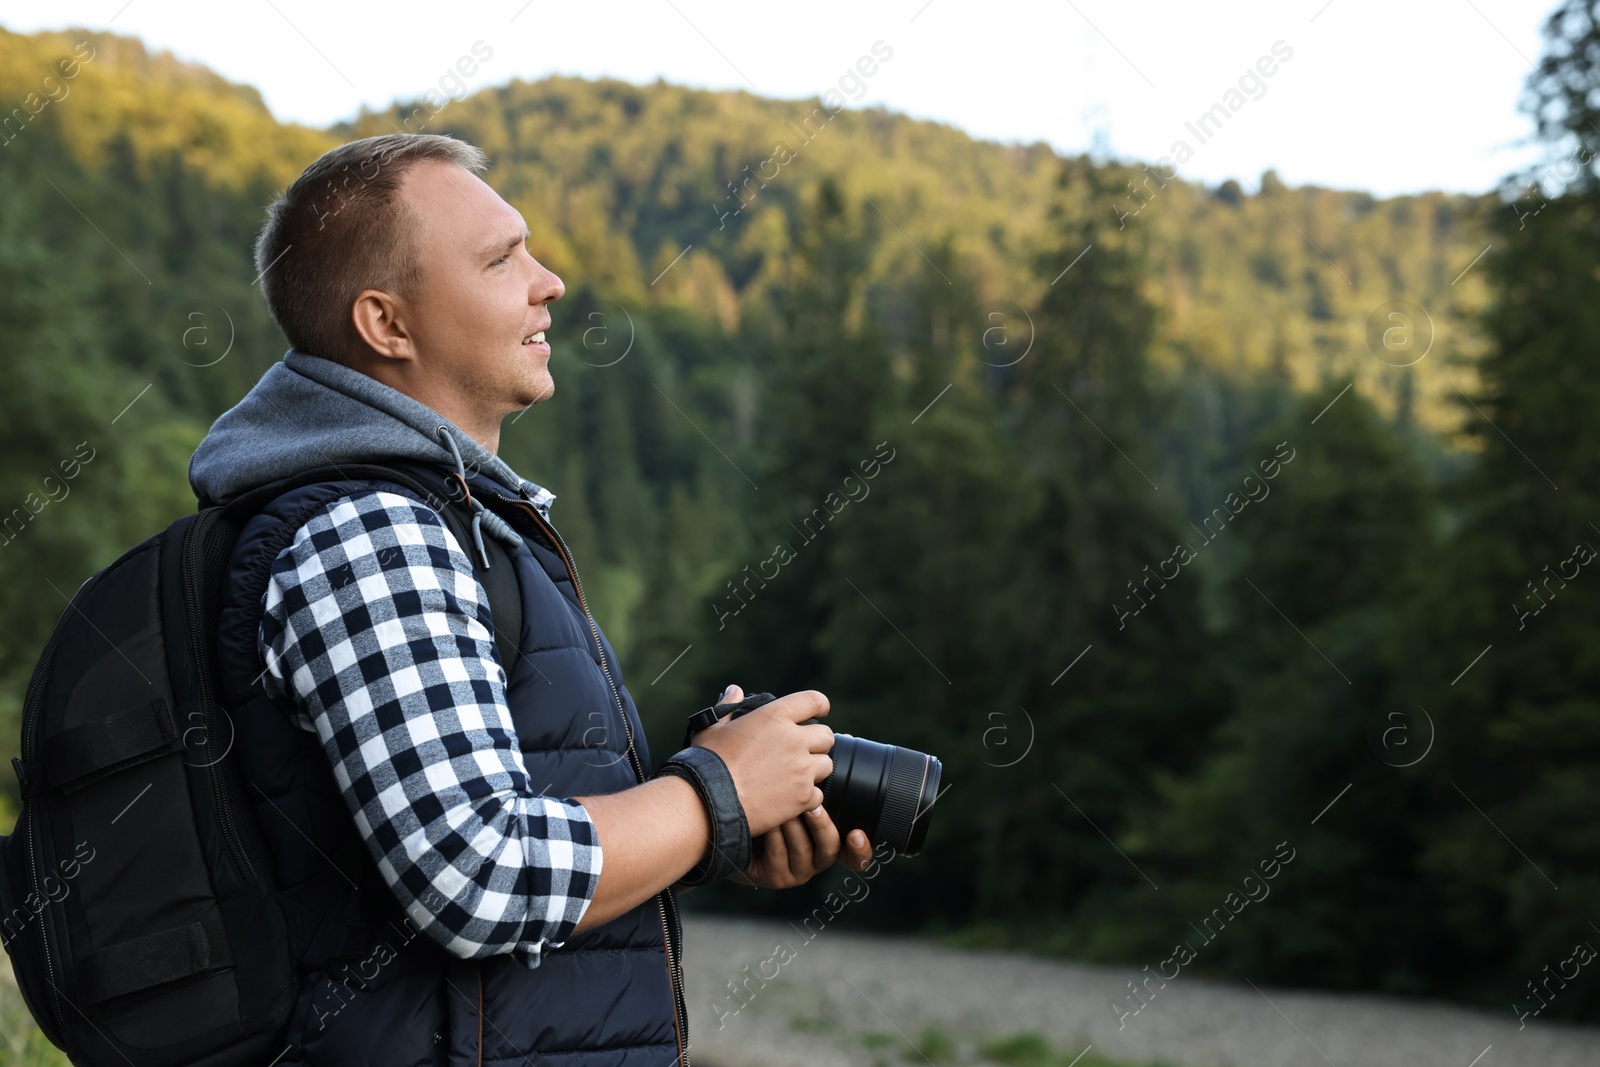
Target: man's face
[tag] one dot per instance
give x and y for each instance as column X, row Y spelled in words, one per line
column 482, row 293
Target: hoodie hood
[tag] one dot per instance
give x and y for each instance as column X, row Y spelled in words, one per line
column 307, row 412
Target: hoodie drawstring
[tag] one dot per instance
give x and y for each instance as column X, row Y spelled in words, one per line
column 481, row 515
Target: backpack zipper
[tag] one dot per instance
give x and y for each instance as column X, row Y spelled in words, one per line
column 44, row 922
column 193, row 565
column 674, row 966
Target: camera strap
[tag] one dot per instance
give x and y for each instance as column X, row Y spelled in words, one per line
column 710, row 716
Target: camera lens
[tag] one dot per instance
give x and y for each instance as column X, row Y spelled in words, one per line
column 885, row 790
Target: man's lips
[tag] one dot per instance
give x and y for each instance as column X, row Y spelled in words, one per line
column 537, row 343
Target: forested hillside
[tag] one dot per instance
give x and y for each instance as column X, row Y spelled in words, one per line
column 1124, row 495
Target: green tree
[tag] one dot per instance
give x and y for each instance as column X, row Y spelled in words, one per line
column 1512, row 629
column 1561, row 97
column 1091, row 514
column 1335, row 527
column 84, row 479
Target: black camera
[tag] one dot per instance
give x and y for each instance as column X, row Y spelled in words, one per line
column 884, row 790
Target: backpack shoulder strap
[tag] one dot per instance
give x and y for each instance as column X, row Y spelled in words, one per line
column 434, row 486
column 499, row 581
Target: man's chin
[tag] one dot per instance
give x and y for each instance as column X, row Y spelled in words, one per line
column 543, row 388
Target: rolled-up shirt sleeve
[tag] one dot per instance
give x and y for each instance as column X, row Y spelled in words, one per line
column 376, row 628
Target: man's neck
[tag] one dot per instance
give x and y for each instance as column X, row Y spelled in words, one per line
column 459, row 409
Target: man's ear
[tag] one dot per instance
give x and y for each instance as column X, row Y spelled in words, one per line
column 380, row 325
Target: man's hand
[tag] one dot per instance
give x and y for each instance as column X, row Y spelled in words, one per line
column 801, row 849
column 774, row 761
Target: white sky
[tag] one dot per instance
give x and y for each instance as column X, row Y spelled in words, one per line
column 1386, row 95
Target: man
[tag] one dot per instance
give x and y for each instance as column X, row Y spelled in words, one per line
column 410, row 782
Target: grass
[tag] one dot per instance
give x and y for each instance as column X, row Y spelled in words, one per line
column 933, row 1045
column 21, row 1043
column 1028, row 1049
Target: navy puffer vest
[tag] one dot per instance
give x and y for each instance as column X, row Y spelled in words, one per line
column 379, row 993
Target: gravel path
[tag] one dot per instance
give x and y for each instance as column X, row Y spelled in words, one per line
column 827, row 993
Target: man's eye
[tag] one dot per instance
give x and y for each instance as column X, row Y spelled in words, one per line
column 499, row 261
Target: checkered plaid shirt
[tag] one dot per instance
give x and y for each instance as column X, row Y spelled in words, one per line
column 376, row 628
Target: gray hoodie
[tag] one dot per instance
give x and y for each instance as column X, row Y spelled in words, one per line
column 307, row 412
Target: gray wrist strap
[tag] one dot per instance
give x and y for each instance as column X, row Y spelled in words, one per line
column 730, row 833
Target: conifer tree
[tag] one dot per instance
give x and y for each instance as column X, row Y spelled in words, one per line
column 1513, row 627
column 1335, row 524
column 1107, row 656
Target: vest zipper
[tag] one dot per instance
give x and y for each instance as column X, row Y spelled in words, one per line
column 674, row 965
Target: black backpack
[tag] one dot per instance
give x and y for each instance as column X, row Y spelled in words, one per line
column 137, row 902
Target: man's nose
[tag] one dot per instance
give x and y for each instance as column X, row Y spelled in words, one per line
column 546, row 285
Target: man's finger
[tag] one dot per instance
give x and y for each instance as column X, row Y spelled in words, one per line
column 819, row 738
column 797, row 839
column 857, row 855
column 821, row 768
column 798, row 707
column 776, row 853
column 824, row 836
column 731, row 695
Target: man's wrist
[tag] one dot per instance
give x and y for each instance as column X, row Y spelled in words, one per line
column 729, row 833
column 686, row 801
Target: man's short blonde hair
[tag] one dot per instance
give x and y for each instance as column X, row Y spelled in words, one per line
column 340, row 228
